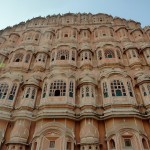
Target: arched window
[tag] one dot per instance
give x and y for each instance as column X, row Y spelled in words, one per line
column 82, row 92
column 12, row 92
column 33, row 93
column 57, row 88
column 27, row 58
column 133, row 53
column 148, row 88
column 36, row 37
column 144, row 91
column 63, row 55
column 30, row 93
column 27, row 93
column 145, row 146
column 44, row 91
column 109, row 54
column 117, row 88
column 86, row 55
column 53, row 56
column 71, row 91
column 73, row 55
column 118, row 54
column 18, row 57
column 112, row 144
column 87, row 91
column 105, row 90
column 130, row 89
column 99, row 54
column 3, row 90
column 147, row 53
column 129, row 55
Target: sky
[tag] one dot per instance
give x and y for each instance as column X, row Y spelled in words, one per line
column 14, row 11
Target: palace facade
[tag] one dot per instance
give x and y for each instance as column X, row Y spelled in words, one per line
column 75, row 82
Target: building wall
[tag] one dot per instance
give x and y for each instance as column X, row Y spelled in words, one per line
column 75, row 82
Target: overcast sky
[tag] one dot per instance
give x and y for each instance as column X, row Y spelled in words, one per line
column 14, row 11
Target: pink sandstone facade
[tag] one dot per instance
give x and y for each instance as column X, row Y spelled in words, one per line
column 75, row 82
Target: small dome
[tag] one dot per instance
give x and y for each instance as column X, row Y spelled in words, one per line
column 89, row 134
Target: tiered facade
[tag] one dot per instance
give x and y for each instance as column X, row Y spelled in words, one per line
column 75, row 82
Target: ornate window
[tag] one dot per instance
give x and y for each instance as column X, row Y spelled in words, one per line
column 129, row 55
column 109, row 54
column 30, row 93
column 27, row 58
column 52, row 144
column 130, row 89
column 118, row 54
column 53, row 56
column 86, row 55
column 73, row 55
column 147, row 52
column 44, row 91
column 144, row 91
column 112, row 144
column 99, row 54
column 12, row 92
column 148, row 87
column 57, row 88
column 3, row 90
column 63, row 55
column 18, row 57
column 127, row 143
column 71, row 91
column 87, row 91
column 41, row 57
column 133, row 53
column 117, row 88
column 105, row 90
column 36, row 37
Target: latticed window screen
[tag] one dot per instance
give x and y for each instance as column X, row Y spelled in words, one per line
column 118, row 54
column 13, row 92
column 117, row 88
column 41, row 58
column 87, row 91
column 30, row 92
column 63, row 55
column 144, row 91
column 18, row 57
column 86, row 55
column 57, row 88
column 105, row 90
column 53, row 56
column 99, row 54
column 130, row 89
column 109, row 54
column 3, row 90
column 44, row 91
column 71, row 91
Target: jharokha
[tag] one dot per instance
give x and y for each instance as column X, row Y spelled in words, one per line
column 75, row 82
